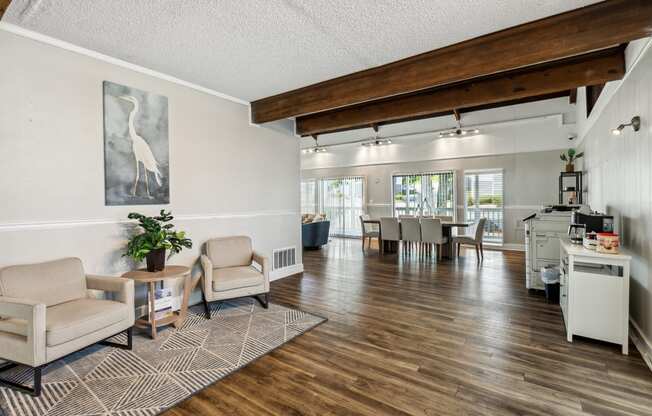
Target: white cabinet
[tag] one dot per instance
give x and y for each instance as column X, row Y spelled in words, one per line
column 594, row 294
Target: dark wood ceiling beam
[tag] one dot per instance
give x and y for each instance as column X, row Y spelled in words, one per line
column 540, row 80
column 583, row 30
column 4, row 5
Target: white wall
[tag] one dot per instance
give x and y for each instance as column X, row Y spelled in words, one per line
column 530, row 180
column 619, row 177
column 227, row 177
column 534, row 135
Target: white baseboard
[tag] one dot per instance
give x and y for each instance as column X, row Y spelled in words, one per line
column 506, row 247
column 643, row 345
column 285, row 272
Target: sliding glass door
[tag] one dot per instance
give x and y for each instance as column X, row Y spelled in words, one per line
column 424, row 194
column 483, row 197
column 341, row 199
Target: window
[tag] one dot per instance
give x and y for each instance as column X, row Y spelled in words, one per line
column 341, row 199
column 483, row 197
column 309, row 196
column 424, row 194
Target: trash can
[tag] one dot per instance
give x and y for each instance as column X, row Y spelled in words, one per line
column 550, row 278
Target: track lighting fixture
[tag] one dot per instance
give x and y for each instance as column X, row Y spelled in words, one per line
column 459, row 132
column 316, row 148
column 376, row 142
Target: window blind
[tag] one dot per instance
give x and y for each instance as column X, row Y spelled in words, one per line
column 484, row 197
column 424, row 194
column 341, row 199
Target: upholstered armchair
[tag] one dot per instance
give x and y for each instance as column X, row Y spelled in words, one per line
column 229, row 271
column 46, row 313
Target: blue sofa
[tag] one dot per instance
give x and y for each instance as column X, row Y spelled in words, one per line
column 315, row 234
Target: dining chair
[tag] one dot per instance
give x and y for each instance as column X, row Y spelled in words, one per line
column 444, row 218
column 411, row 231
column 390, row 230
column 475, row 239
column 405, row 216
column 432, row 233
column 368, row 231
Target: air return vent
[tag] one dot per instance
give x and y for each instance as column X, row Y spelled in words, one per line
column 285, row 257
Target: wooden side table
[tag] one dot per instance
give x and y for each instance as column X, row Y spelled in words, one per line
column 151, row 279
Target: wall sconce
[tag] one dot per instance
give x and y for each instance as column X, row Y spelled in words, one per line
column 635, row 123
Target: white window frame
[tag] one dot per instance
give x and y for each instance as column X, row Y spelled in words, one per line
column 488, row 170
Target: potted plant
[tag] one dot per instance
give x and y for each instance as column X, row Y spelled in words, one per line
column 570, row 157
column 158, row 236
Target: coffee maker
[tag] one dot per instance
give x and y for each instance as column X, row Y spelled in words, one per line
column 576, row 233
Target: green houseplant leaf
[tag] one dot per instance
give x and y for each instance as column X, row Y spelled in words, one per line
column 157, row 233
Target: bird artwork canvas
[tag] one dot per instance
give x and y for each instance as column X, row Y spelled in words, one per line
column 136, row 147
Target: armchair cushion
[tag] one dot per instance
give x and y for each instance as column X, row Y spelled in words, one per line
column 74, row 319
column 14, row 326
column 229, row 251
column 50, row 283
column 230, row 278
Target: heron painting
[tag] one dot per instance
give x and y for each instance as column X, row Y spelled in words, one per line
column 136, row 146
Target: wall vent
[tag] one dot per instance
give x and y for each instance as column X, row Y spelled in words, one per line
column 284, row 257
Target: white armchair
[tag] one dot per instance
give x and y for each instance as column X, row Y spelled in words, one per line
column 46, row 313
column 229, row 271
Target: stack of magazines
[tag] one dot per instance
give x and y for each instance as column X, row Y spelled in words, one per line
column 162, row 303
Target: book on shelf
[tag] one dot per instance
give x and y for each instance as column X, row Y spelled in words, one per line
column 162, row 303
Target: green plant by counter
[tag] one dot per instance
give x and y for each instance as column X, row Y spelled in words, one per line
column 570, row 157
column 158, row 234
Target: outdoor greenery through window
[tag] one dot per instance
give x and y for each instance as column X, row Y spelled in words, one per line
column 483, row 197
column 424, row 194
column 341, row 199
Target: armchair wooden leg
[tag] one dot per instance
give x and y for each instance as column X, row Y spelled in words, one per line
column 207, row 310
column 34, row 391
column 127, row 346
column 264, row 302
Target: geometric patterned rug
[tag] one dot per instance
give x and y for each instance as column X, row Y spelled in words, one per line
column 157, row 374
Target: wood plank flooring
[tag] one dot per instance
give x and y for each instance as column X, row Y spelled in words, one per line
column 408, row 336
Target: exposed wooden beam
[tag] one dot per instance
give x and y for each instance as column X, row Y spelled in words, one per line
column 590, row 28
column 572, row 96
column 540, row 80
column 4, row 5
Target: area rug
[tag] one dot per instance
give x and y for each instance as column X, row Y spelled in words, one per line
column 159, row 373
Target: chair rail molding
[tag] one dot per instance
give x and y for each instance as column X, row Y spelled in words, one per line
column 52, row 224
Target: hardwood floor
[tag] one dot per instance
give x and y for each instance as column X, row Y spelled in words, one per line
column 408, row 336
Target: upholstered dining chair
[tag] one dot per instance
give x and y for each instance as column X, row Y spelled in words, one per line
column 474, row 239
column 444, row 218
column 432, row 233
column 369, row 231
column 46, row 313
column 229, row 272
column 390, row 230
column 411, row 232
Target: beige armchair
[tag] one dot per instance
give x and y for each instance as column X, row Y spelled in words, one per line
column 46, row 314
column 229, row 271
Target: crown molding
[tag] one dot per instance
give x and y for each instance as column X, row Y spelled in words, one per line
column 17, row 30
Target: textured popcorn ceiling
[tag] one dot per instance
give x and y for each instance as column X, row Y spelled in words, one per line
column 254, row 48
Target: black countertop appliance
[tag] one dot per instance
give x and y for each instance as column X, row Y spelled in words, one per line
column 594, row 222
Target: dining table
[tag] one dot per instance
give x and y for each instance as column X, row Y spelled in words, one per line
column 447, row 229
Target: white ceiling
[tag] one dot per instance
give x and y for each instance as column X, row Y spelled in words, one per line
column 250, row 49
